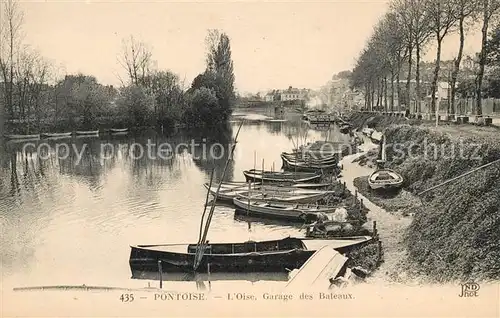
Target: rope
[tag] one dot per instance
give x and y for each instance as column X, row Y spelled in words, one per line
column 460, row 176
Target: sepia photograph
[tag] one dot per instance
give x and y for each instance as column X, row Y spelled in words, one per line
column 250, row 158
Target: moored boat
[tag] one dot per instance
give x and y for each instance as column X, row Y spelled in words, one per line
column 22, row 137
column 281, row 210
column 118, row 130
column 262, row 256
column 87, row 132
column 306, row 165
column 385, row 179
column 289, row 197
column 284, row 184
column 272, row 176
column 312, row 157
column 56, row 135
column 266, row 192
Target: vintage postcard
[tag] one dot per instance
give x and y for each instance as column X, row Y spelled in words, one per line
column 250, row 158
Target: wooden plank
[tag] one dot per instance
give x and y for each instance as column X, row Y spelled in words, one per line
column 316, row 272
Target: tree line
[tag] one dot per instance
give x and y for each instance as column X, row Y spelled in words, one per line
column 34, row 96
column 399, row 40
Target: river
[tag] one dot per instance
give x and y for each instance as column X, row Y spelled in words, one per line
column 68, row 217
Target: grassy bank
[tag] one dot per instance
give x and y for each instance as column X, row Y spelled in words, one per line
column 454, row 234
column 403, row 202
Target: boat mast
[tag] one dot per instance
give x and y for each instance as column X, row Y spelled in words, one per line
column 200, row 247
column 206, row 204
column 262, row 186
column 255, row 167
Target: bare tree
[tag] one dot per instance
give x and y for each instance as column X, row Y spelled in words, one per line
column 402, row 8
column 11, row 20
column 490, row 8
column 422, row 32
column 467, row 9
column 443, row 16
column 136, row 59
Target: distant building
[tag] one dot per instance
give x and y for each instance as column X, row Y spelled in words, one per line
column 269, row 97
column 337, row 92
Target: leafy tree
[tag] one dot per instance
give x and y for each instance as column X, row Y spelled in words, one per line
column 443, row 15
column 216, row 81
column 489, row 9
column 138, row 103
column 467, row 10
column 84, row 97
column 204, row 108
column 166, row 88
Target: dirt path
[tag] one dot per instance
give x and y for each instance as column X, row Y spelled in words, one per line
column 391, row 227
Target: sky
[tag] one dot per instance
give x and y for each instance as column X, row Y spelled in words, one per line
column 274, row 44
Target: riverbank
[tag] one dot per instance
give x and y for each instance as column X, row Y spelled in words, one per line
column 454, row 234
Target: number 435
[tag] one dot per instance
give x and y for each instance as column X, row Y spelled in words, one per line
column 127, row 298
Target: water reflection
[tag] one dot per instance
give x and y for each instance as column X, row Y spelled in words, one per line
column 206, row 277
column 76, row 209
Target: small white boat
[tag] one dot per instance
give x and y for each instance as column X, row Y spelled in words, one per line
column 22, row 137
column 118, row 130
column 385, row 179
column 56, row 135
column 87, row 132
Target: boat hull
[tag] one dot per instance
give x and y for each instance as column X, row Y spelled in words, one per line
column 304, row 198
column 280, row 194
column 56, row 135
column 251, row 262
column 118, row 131
column 258, row 177
column 22, row 137
column 263, row 256
column 385, row 186
column 302, row 166
column 273, row 211
column 87, row 133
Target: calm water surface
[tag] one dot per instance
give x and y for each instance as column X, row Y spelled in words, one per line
column 71, row 222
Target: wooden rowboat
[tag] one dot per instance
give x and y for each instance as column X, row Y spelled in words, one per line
column 87, row 132
column 271, row 176
column 118, row 130
column 318, row 157
column 22, row 137
column 56, row 135
column 306, row 166
column 288, row 197
column 281, row 210
column 266, row 192
column 286, row 185
column 385, row 179
column 263, row 256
